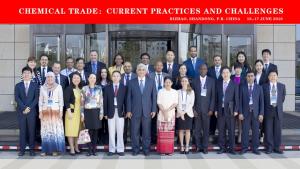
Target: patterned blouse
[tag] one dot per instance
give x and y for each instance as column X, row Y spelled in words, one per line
column 92, row 98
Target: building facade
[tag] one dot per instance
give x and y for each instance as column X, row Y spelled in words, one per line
column 17, row 42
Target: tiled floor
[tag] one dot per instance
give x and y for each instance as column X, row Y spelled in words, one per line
column 289, row 160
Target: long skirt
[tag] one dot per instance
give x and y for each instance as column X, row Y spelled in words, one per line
column 52, row 132
column 165, row 137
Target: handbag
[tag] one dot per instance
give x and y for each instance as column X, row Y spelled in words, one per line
column 84, row 137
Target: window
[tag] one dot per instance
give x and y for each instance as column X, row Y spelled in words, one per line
column 48, row 45
column 74, row 46
column 97, row 41
column 297, row 61
column 236, row 44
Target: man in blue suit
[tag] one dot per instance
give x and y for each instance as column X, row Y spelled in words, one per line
column 274, row 96
column 215, row 73
column 26, row 96
column 204, row 107
column 193, row 63
column 60, row 78
column 94, row 66
column 227, row 106
column 170, row 66
column 251, row 112
column 141, row 108
column 145, row 59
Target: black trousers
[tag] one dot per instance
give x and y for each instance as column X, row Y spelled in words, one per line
column 213, row 125
column 201, row 131
column 154, row 130
column 226, row 124
column 94, row 136
column 273, row 126
column 126, row 133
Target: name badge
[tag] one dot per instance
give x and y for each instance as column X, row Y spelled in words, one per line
column 273, row 100
column 50, row 102
column 250, row 101
column 93, row 102
column 203, row 91
column 115, row 101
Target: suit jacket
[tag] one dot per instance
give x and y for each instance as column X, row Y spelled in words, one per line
column 88, row 67
column 153, row 74
column 191, row 72
column 141, row 104
column 212, row 73
column 257, row 98
column 69, row 98
column 204, row 104
column 123, row 80
column 64, row 81
column 108, row 100
column 231, row 98
column 49, row 69
column 84, row 81
column 190, row 100
column 23, row 101
column 151, row 69
column 271, row 67
column 263, row 79
column 175, row 70
column 281, row 92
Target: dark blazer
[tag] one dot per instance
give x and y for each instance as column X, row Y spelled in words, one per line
column 191, row 72
column 212, row 73
column 88, row 67
column 69, row 98
column 242, row 81
column 271, row 67
column 49, row 69
column 263, row 79
column 281, row 92
column 64, row 81
column 141, row 104
column 204, row 104
column 257, row 97
column 108, row 100
column 23, row 101
column 151, row 69
column 152, row 76
column 231, row 96
column 133, row 75
column 175, row 70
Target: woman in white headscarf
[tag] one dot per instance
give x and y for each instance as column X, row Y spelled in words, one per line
column 50, row 113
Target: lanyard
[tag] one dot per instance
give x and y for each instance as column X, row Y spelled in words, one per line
column 50, row 94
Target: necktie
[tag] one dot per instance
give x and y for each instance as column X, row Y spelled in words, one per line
column 273, row 90
column 43, row 73
column 56, row 79
column 26, row 88
column 94, row 68
column 266, row 67
column 141, row 86
column 217, row 71
column 273, row 93
column 250, row 90
column 194, row 63
column 169, row 69
column 116, row 90
column 127, row 78
column 225, row 84
column 159, row 82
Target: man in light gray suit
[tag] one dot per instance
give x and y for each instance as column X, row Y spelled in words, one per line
column 158, row 76
column 128, row 75
column 141, row 108
column 204, row 106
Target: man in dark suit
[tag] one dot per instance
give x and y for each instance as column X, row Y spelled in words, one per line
column 170, row 66
column 141, row 108
column 44, row 69
column 59, row 78
column 204, row 106
column 268, row 67
column 251, row 112
column 215, row 73
column 114, row 110
column 94, row 66
column 158, row 76
column 128, row 75
column 274, row 96
column 145, row 59
column 26, row 96
column 193, row 63
column 227, row 106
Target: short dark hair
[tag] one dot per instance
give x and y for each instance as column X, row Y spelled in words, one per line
column 116, row 71
column 193, row 46
column 260, row 61
column 70, row 57
column 31, row 58
column 78, row 59
column 71, row 77
column 168, row 78
column 237, row 65
column 26, row 68
column 250, row 71
column 217, row 56
column 43, row 54
column 225, row 67
column 56, row 62
column 170, row 50
column 266, row 51
column 94, row 51
column 273, row 71
column 147, row 54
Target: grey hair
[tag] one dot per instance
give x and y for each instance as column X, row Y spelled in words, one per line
column 141, row 66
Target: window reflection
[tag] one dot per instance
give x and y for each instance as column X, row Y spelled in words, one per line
column 239, row 43
column 48, row 45
column 97, row 41
column 75, row 46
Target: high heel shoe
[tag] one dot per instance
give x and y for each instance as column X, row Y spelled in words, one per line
column 187, row 150
column 182, row 150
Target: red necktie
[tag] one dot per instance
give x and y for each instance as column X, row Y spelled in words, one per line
column 116, row 90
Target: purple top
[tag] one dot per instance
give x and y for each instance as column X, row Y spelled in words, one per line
column 237, row 80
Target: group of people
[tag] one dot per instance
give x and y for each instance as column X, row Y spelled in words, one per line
column 150, row 104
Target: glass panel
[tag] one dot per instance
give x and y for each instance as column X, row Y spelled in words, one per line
column 131, row 50
column 75, row 46
column 239, row 43
column 48, row 45
column 97, row 41
column 187, row 40
column 211, row 45
column 297, row 61
column 157, row 50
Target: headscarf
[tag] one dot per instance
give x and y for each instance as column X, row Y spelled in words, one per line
column 48, row 87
